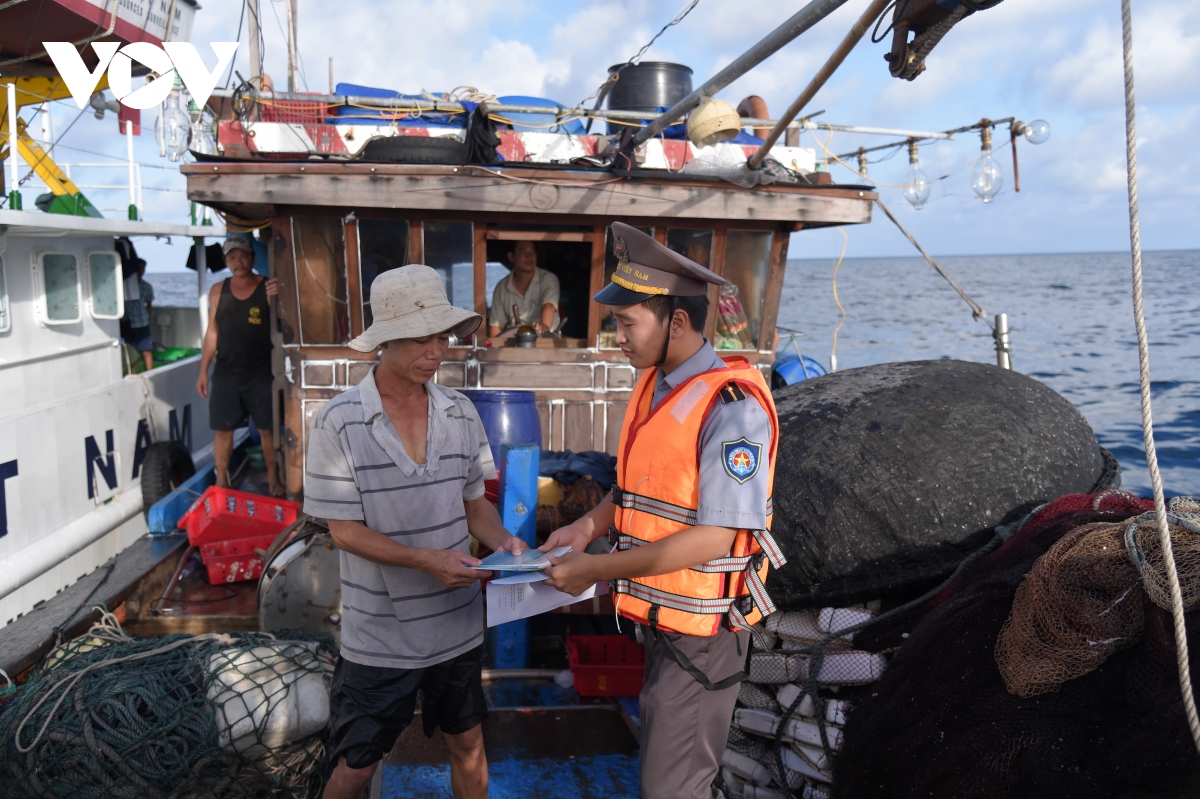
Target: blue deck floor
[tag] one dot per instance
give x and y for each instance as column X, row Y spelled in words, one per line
column 541, row 742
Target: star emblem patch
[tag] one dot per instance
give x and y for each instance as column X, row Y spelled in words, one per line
column 621, row 249
column 741, row 458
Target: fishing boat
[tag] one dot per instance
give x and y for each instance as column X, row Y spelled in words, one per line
column 341, row 187
column 86, row 445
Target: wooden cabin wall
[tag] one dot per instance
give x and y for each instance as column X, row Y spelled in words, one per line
column 320, row 255
column 581, row 394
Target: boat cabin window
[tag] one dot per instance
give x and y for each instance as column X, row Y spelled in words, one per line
column 564, row 254
column 5, row 319
column 740, row 304
column 383, row 244
column 104, row 286
column 450, row 249
column 693, row 244
column 320, row 252
column 59, row 278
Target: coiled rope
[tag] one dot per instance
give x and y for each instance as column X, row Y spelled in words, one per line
column 1139, row 319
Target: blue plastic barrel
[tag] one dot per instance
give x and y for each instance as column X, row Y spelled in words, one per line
column 509, row 417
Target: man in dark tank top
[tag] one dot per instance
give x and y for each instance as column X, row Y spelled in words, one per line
column 238, row 340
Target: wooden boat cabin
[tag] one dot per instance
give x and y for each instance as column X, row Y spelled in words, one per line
column 335, row 226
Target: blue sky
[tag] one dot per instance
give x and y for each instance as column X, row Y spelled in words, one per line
column 1059, row 60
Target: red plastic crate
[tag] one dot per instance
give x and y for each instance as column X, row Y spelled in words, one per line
column 606, row 665
column 227, row 526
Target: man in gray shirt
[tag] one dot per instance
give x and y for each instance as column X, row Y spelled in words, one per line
column 397, row 464
column 533, row 291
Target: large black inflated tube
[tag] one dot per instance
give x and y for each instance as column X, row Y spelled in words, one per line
column 889, row 475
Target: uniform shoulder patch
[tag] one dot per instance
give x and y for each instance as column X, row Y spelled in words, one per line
column 741, row 458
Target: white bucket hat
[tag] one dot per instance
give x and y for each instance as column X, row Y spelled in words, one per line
column 410, row 302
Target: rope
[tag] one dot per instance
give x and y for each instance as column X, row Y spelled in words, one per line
column 922, row 45
column 66, row 686
column 977, row 310
column 1160, row 506
column 842, row 321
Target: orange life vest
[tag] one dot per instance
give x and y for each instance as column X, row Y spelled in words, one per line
column 657, row 494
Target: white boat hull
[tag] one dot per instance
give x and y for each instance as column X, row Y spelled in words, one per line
column 72, row 469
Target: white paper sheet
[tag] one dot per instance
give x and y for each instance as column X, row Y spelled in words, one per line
column 523, row 595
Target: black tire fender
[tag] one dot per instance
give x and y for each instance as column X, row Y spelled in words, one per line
column 166, row 466
column 414, row 150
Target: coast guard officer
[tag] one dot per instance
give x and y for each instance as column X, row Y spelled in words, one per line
column 689, row 513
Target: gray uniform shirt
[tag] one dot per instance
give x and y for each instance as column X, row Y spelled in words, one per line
column 725, row 499
column 542, row 289
column 357, row 468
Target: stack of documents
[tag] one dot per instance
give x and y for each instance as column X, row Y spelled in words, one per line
column 521, row 595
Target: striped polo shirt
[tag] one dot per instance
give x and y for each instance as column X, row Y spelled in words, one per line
column 357, row 468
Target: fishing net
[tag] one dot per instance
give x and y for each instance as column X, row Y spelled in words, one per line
column 210, row 716
column 1076, row 607
column 941, row 721
column 1144, row 544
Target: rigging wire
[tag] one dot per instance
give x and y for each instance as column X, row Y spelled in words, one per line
column 977, row 310
column 238, row 38
column 1143, row 342
column 829, row 154
column 637, row 56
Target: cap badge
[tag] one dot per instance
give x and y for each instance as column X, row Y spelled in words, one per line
column 621, row 249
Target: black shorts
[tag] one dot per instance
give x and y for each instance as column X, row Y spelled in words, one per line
column 370, row 705
column 233, row 400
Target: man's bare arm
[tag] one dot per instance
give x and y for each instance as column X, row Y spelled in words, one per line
column 448, row 566
column 485, row 524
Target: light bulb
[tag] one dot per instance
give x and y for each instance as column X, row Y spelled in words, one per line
column 986, row 177
column 171, row 128
column 916, row 189
column 1037, row 131
column 202, row 140
column 916, row 186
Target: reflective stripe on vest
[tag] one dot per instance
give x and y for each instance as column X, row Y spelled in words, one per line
column 657, row 493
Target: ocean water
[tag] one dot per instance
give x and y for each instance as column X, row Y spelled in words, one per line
column 1071, row 318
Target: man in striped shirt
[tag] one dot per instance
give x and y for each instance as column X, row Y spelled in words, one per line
column 397, row 464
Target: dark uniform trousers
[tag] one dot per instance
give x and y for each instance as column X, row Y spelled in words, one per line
column 684, row 726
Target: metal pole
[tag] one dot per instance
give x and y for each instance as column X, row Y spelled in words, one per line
column 331, row 74
column 800, row 22
column 291, row 6
column 856, row 33
column 133, row 208
column 47, row 131
column 1000, row 334
column 14, row 193
column 255, row 53
column 201, row 284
